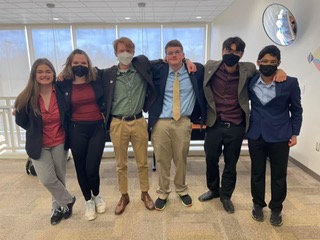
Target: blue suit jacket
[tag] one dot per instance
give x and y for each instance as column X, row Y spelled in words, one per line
column 160, row 74
column 280, row 118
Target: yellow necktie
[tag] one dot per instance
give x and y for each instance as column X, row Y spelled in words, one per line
column 176, row 98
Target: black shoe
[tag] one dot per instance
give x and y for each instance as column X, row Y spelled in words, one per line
column 56, row 216
column 67, row 210
column 186, row 200
column 276, row 218
column 208, row 196
column 227, row 205
column 257, row 213
column 160, row 204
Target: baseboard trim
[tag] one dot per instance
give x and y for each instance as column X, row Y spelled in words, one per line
column 304, row 168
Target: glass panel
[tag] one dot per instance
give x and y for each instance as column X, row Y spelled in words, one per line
column 147, row 40
column 14, row 65
column 54, row 44
column 192, row 39
column 97, row 42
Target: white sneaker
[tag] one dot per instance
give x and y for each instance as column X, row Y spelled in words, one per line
column 100, row 204
column 90, row 210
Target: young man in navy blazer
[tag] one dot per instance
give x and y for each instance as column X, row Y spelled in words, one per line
column 275, row 122
column 170, row 137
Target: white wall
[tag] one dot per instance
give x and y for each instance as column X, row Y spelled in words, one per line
column 244, row 19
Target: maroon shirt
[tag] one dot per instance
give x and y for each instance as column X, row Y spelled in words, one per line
column 84, row 106
column 53, row 133
column 224, row 86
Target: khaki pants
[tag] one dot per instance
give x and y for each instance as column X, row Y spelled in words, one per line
column 171, row 141
column 121, row 133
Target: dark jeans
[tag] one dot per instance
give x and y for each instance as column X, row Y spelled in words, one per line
column 231, row 139
column 278, row 154
column 87, row 141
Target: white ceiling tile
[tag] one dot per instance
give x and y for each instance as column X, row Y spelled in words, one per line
column 6, row 5
column 109, row 11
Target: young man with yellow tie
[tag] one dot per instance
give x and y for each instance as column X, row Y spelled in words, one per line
column 180, row 101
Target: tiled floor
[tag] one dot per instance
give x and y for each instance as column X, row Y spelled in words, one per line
column 25, row 208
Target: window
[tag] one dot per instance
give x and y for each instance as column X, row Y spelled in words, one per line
column 97, row 42
column 52, row 43
column 192, row 39
column 14, row 63
column 146, row 40
column 55, row 43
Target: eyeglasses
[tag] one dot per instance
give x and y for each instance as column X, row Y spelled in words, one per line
column 267, row 62
column 174, row 53
column 229, row 51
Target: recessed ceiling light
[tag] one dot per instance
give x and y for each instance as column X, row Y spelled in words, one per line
column 55, row 19
column 198, row 17
column 127, row 18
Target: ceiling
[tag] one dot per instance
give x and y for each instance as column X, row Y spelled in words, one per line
column 109, row 11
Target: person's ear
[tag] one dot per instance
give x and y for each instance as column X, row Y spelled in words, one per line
column 258, row 63
column 279, row 63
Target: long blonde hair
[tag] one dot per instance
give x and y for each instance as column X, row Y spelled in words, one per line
column 67, row 70
column 30, row 95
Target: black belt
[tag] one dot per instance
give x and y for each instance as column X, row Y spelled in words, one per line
column 227, row 124
column 129, row 118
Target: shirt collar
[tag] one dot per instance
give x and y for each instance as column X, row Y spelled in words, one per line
column 223, row 68
column 130, row 70
column 181, row 71
column 261, row 82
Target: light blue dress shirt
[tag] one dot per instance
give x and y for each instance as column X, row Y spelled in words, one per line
column 187, row 94
column 265, row 92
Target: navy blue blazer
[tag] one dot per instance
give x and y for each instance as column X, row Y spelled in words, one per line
column 33, row 126
column 279, row 119
column 160, row 74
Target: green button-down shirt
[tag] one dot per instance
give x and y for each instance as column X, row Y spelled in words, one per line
column 129, row 93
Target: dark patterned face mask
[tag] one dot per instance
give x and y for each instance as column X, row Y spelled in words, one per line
column 80, row 70
column 230, row 59
column 267, row 70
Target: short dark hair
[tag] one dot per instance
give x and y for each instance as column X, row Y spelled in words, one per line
column 240, row 44
column 173, row 43
column 272, row 50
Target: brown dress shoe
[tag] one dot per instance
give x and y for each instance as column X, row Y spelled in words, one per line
column 145, row 197
column 121, row 206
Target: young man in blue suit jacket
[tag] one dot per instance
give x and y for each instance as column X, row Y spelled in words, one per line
column 170, row 137
column 275, row 122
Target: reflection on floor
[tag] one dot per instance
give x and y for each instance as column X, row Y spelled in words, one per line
column 25, row 208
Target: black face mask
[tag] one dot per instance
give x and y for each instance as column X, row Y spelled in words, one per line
column 230, row 59
column 267, row 70
column 80, row 70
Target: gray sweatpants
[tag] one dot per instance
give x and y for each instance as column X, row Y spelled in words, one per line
column 51, row 171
